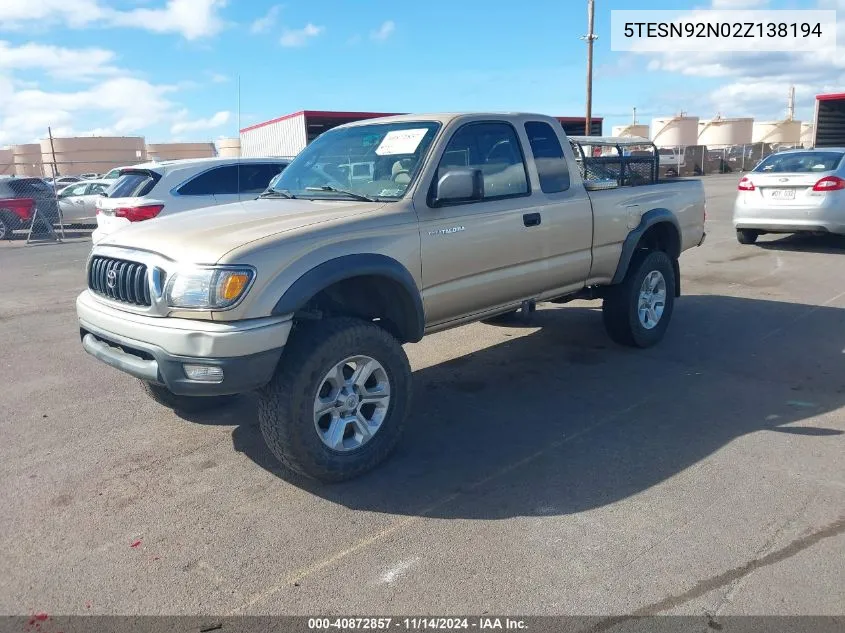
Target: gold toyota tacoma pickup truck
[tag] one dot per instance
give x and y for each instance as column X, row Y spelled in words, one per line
column 378, row 233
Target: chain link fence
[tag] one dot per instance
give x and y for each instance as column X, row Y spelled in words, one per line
column 701, row 160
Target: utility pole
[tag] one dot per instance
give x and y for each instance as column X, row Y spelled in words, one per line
column 590, row 37
column 53, row 152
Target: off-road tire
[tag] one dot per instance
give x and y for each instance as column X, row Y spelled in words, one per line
column 186, row 404
column 747, row 236
column 285, row 404
column 620, row 306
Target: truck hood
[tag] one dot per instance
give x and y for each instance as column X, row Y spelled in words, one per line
column 204, row 236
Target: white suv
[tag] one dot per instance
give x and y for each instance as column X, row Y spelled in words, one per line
column 146, row 191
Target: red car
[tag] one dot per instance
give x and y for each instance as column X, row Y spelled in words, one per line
column 19, row 198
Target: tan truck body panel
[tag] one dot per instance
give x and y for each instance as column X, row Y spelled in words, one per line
column 459, row 274
column 468, row 261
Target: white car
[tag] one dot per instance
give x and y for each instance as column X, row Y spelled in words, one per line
column 62, row 181
column 146, row 191
column 78, row 201
column 113, row 174
column 797, row 191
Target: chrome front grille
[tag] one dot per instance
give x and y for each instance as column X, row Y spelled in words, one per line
column 120, row 280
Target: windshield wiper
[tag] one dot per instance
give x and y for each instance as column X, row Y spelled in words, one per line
column 277, row 193
column 351, row 194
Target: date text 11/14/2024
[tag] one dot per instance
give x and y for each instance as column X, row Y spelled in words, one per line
column 415, row 624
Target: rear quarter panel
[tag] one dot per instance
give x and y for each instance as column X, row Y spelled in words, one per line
column 617, row 212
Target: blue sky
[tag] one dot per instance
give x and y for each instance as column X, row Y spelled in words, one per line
column 168, row 69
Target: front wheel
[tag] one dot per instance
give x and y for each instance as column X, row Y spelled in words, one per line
column 637, row 311
column 337, row 404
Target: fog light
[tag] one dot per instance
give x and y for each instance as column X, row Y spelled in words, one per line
column 204, row 373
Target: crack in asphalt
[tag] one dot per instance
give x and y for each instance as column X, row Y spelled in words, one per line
column 707, row 585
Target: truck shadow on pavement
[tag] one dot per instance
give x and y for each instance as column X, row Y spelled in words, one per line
column 559, row 420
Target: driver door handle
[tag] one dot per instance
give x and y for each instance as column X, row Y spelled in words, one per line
column 531, row 219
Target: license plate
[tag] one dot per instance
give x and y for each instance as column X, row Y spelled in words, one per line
column 783, row 194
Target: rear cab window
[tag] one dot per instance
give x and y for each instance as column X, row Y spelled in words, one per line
column 552, row 169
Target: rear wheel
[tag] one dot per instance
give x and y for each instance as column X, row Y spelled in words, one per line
column 5, row 228
column 747, row 236
column 336, row 406
column 187, row 404
column 637, row 311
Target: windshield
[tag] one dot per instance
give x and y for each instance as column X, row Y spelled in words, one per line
column 800, row 162
column 378, row 161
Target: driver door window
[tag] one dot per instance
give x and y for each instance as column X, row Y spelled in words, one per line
column 492, row 148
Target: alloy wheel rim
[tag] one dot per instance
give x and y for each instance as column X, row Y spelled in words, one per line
column 652, row 299
column 351, row 403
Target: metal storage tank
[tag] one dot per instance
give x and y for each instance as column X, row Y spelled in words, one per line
column 7, row 162
column 229, row 147
column 786, row 132
column 676, row 131
column 632, row 129
column 808, row 132
column 27, row 159
column 176, row 151
column 718, row 131
column 95, row 154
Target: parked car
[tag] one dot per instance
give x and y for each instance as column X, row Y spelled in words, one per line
column 792, row 191
column 112, row 174
column 671, row 161
column 308, row 293
column 77, row 202
column 150, row 190
column 19, row 199
column 90, row 176
column 61, row 182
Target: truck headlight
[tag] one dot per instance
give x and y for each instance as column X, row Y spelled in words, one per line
column 208, row 288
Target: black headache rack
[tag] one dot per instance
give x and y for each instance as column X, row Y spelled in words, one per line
column 630, row 161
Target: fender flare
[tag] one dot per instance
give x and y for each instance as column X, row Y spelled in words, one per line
column 629, row 246
column 361, row 264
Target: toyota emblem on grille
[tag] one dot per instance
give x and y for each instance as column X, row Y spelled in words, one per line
column 111, row 278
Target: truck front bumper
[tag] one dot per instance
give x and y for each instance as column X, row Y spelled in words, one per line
column 241, row 356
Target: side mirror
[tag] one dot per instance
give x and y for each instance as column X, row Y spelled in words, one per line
column 459, row 185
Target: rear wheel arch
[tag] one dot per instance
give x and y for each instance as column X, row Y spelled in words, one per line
column 368, row 286
column 658, row 230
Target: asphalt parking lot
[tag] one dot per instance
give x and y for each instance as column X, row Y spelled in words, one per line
column 545, row 471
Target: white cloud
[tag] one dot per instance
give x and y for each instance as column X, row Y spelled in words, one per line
column 220, row 118
column 384, row 31
column 127, row 105
column 57, row 62
column 300, row 37
column 15, row 13
column 192, row 19
column 218, row 78
column 267, row 21
column 756, row 83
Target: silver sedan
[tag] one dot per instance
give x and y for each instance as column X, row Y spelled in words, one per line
column 792, row 192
